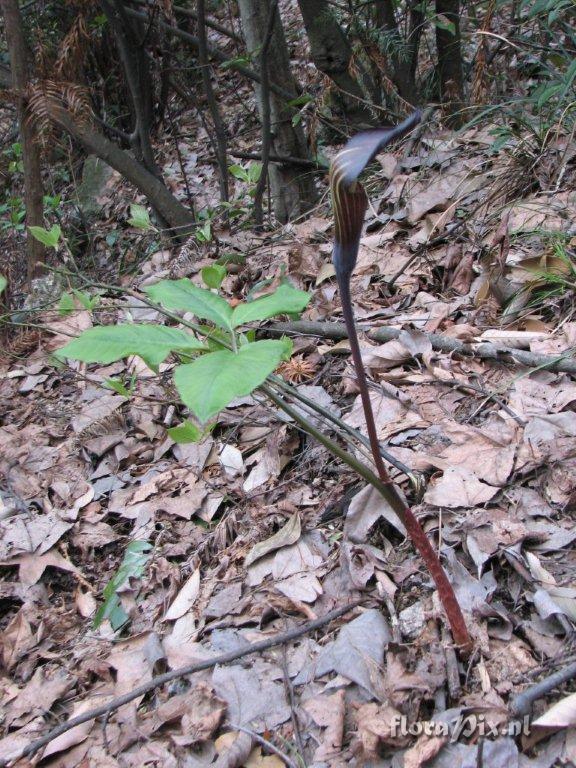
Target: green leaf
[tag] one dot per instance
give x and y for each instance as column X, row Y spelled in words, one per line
column 108, row 343
column 184, row 295
column 285, row 300
column 254, row 172
column 49, row 237
column 204, row 234
column 139, row 217
column 66, row 304
column 300, row 101
column 213, row 275
column 547, row 94
column 210, row 383
column 3, row 283
column 132, row 567
column 87, row 301
column 118, row 387
column 443, row 22
column 240, row 61
column 187, row 432
column 239, row 172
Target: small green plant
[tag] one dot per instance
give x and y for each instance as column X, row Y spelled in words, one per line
column 216, row 364
column 67, row 305
column 52, row 203
column 125, row 389
column 14, row 212
column 15, row 159
column 553, row 279
column 204, row 232
column 132, row 567
column 49, row 237
column 140, row 218
column 301, row 103
column 248, row 175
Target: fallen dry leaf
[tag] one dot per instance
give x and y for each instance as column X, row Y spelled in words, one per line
column 185, row 598
column 288, row 534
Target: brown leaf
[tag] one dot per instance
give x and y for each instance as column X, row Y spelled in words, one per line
column 328, row 712
column 234, row 749
column 458, row 487
column 424, row 750
column 288, row 534
column 185, row 598
column 33, row 532
column 253, row 697
column 357, row 652
column 378, row 725
column 79, row 733
column 562, row 714
column 463, row 275
column 16, row 639
column 37, row 697
column 366, row 507
column 31, row 567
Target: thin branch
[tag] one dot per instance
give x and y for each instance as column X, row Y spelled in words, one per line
column 522, row 704
column 180, row 11
column 266, row 125
column 214, row 53
column 265, row 743
column 564, row 363
column 159, row 680
column 283, row 160
column 179, row 153
column 219, row 129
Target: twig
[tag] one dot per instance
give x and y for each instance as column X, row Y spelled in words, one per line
column 283, row 160
column 219, row 129
column 416, row 135
column 265, row 743
column 180, row 11
column 289, row 691
column 214, row 53
column 522, row 704
column 179, row 154
column 484, row 350
column 463, row 386
column 159, row 680
column 452, row 671
column 265, row 101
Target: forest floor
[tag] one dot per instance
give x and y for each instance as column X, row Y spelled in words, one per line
column 258, row 529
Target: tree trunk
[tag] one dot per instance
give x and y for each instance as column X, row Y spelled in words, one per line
column 219, row 141
column 33, row 190
column 137, row 74
column 397, row 52
column 178, row 218
column 448, row 44
column 293, row 192
column 332, row 55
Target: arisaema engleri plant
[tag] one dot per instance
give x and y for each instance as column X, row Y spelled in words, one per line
column 350, row 202
column 219, row 358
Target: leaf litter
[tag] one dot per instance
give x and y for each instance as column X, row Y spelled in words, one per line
column 241, row 548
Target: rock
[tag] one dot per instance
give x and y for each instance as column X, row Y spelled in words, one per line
column 95, row 176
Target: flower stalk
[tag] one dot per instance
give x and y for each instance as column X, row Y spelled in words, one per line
column 350, row 202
